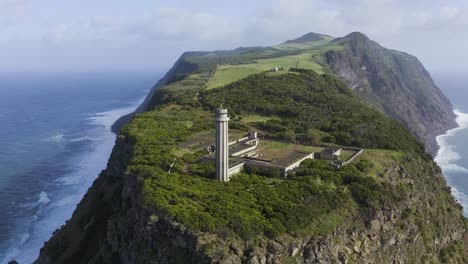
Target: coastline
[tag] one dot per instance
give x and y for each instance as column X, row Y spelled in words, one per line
column 57, row 208
column 447, row 156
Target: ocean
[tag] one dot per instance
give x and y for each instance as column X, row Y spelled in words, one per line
column 453, row 153
column 55, row 138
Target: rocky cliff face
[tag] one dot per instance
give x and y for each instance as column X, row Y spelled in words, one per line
column 396, row 83
column 392, row 234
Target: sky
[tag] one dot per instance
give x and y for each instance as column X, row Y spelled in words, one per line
column 149, row 35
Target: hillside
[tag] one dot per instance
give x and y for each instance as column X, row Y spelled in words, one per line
column 396, row 83
column 393, row 82
column 391, row 204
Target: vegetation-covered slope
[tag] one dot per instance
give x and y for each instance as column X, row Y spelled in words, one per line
column 393, row 204
column 310, row 101
column 395, row 82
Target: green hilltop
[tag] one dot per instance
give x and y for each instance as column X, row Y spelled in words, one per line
column 393, row 82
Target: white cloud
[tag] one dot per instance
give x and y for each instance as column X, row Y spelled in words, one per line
column 178, row 24
column 450, row 12
column 283, row 20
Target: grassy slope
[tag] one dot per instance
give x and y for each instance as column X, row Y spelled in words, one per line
column 305, row 55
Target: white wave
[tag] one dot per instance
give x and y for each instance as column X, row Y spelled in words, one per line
column 447, row 156
column 85, row 138
column 68, row 180
column 56, row 138
column 43, row 198
column 67, row 201
column 461, row 197
column 25, row 238
column 107, row 119
column 11, row 256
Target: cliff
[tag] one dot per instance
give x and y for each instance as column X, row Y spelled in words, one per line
column 395, row 82
column 425, row 227
column 391, row 205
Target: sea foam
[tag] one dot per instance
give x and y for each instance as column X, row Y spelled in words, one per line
column 59, row 209
column 56, row 138
column 447, row 156
column 85, row 138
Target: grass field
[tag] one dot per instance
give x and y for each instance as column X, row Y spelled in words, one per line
column 381, row 159
column 227, row 73
column 275, row 149
column 230, row 73
column 346, row 154
column 305, row 45
column 257, row 118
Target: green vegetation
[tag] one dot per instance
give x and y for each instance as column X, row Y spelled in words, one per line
column 346, row 154
column 256, row 118
column 301, row 105
column 229, row 66
column 230, row 73
column 249, row 205
column 304, row 45
column 311, row 101
column 294, row 106
column 381, row 159
column 270, row 149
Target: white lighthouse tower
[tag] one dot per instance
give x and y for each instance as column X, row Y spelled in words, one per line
column 222, row 142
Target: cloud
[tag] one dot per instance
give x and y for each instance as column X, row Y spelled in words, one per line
column 179, row 24
column 57, row 34
column 284, row 19
column 173, row 27
column 13, row 3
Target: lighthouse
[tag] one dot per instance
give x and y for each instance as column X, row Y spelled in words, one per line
column 222, row 142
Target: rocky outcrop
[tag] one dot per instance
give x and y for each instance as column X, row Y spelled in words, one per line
column 407, row 232
column 394, row 82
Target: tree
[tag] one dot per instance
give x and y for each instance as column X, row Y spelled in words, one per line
column 312, row 136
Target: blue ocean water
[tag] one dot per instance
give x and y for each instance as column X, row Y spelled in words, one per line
column 453, row 152
column 54, row 140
